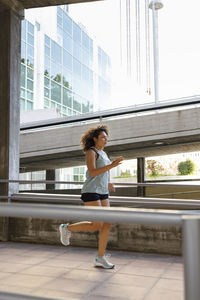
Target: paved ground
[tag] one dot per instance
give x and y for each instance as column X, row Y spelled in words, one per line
column 67, row 273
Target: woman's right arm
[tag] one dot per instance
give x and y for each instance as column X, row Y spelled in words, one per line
column 91, row 157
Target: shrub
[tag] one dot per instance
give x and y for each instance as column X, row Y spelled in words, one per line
column 186, row 167
column 126, row 173
column 154, row 167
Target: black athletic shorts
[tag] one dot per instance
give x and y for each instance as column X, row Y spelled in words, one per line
column 87, row 197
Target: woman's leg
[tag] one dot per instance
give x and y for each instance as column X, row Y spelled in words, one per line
column 87, row 226
column 104, row 233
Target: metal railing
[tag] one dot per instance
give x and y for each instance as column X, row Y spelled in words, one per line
column 145, row 202
column 189, row 223
column 139, row 202
column 186, row 101
column 24, row 181
column 189, row 220
column 176, row 193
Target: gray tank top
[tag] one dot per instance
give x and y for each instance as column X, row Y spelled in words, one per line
column 99, row 183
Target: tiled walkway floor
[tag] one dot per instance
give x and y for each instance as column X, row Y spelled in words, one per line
column 67, row 273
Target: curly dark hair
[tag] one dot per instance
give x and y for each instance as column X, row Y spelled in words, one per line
column 87, row 139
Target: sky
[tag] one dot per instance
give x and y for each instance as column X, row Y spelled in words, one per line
column 179, row 47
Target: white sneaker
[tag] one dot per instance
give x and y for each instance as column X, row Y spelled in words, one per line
column 103, row 262
column 65, row 234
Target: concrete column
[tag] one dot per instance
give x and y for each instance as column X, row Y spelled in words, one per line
column 140, row 176
column 10, row 39
column 50, row 175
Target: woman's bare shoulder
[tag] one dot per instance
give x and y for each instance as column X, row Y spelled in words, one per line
column 91, row 153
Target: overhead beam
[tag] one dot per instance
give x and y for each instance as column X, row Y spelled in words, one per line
column 42, row 3
column 15, row 5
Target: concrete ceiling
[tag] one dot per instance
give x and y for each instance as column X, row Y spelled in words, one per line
column 25, row 4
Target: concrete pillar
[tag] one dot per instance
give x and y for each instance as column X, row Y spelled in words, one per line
column 10, row 39
column 140, row 176
column 50, row 175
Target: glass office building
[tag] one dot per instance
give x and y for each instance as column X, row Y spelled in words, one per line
column 75, row 69
column 64, row 69
column 27, row 66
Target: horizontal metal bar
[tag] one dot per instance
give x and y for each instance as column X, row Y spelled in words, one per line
column 80, row 183
column 13, row 296
column 114, row 199
column 111, row 113
column 24, row 181
column 108, row 214
column 176, row 193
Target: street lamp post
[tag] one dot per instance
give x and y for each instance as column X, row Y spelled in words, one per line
column 155, row 5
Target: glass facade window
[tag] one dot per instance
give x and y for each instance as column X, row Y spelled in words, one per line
column 37, row 25
column 55, row 92
column 85, row 106
column 59, row 20
column 46, row 93
column 85, row 57
column 67, row 42
column 77, row 101
column 46, row 82
column 67, row 78
column 22, row 104
column 23, row 31
column 67, row 60
column 77, row 50
column 30, row 28
column 67, row 98
column 56, row 53
column 23, row 93
column 56, row 71
column 23, row 76
column 30, row 73
column 47, row 51
column 29, row 105
column 76, row 33
column 30, row 39
column 27, row 66
column 78, row 174
column 77, row 68
column 30, row 95
column 30, row 84
column 68, row 67
column 85, row 40
column 47, row 40
column 67, row 23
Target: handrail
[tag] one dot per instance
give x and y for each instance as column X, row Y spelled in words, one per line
column 108, row 214
column 190, row 223
column 175, row 193
column 111, row 113
column 139, row 202
column 81, row 182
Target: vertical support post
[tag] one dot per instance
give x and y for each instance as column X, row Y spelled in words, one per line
column 50, row 175
column 10, row 53
column 155, row 51
column 140, row 176
column 191, row 254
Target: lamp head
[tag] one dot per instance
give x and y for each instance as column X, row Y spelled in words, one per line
column 158, row 4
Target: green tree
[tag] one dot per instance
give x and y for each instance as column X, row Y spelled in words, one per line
column 154, row 167
column 186, row 167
